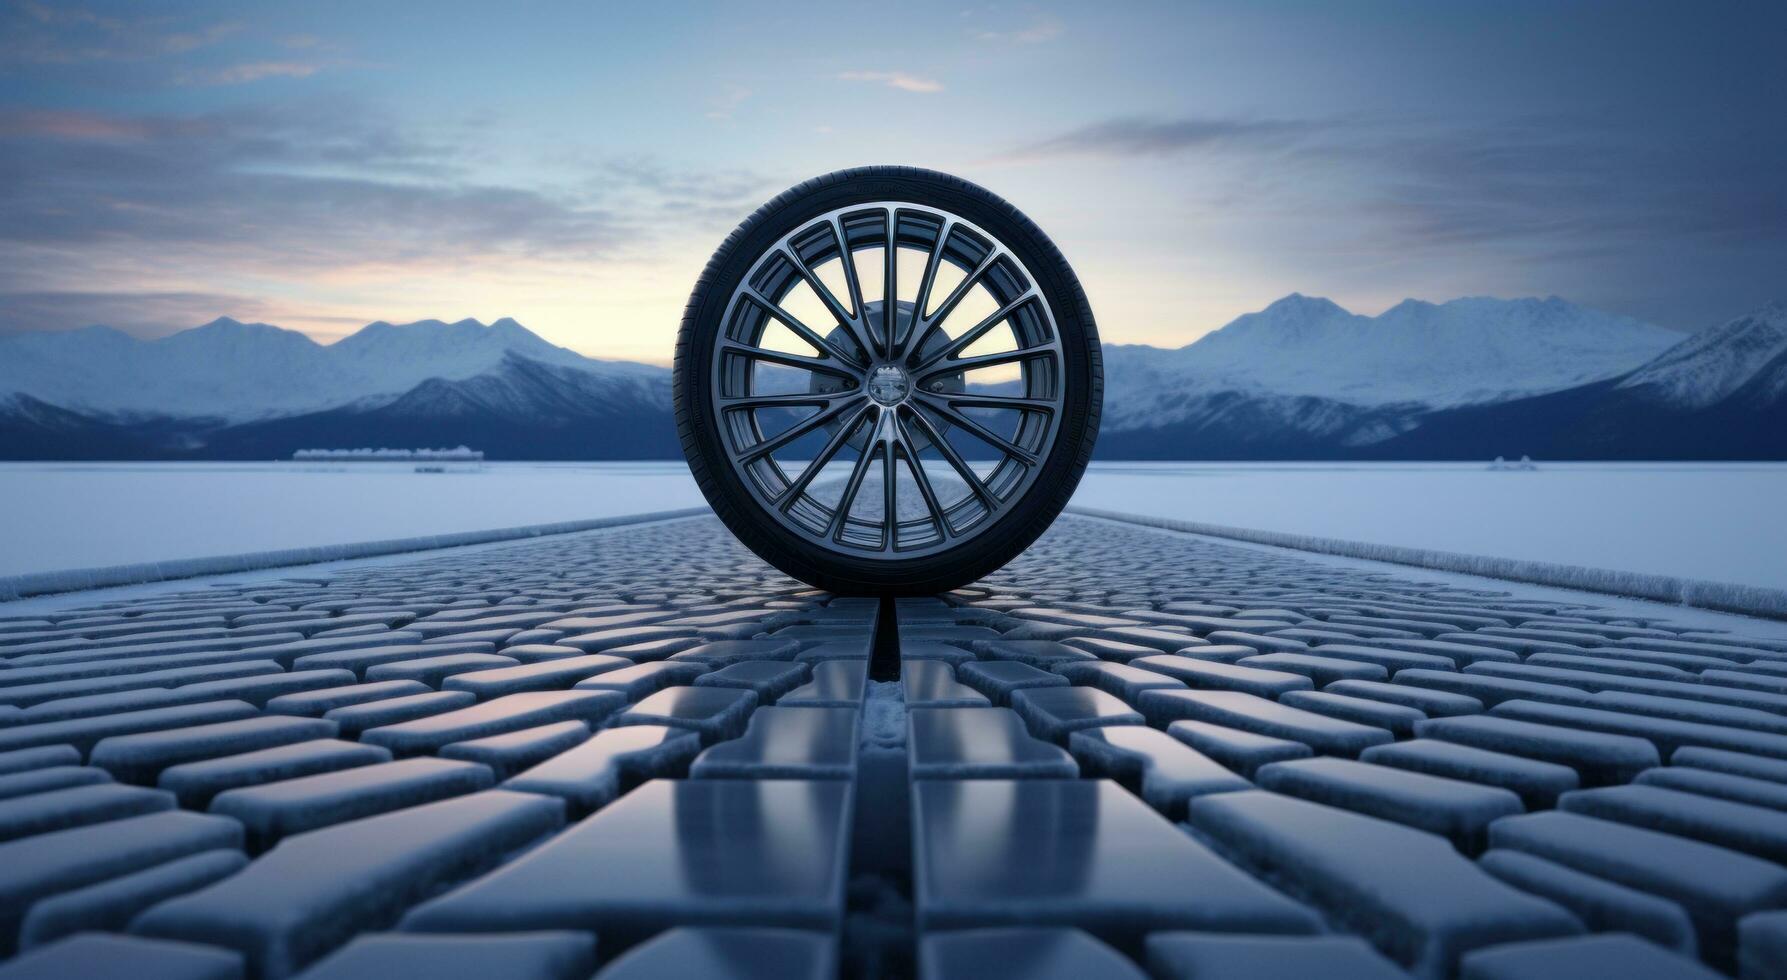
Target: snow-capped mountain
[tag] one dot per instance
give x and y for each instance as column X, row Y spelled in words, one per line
column 1414, row 356
column 1748, row 354
column 238, row 372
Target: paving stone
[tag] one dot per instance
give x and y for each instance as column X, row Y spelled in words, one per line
column 1256, row 714
column 84, row 733
column 1714, row 885
column 770, row 679
column 1210, row 676
column 1735, row 763
column 998, row 679
column 1164, row 771
column 714, row 713
column 1762, row 946
column 1213, row 956
column 313, row 892
column 315, row 704
column 726, row 652
column 1599, row 758
column 1319, row 669
column 110, row 905
column 1755, row 830
column 63, row 860
column 591, row 775
column 140, row 758
column 1391, row 660
column 980, row 743
column 508, row 713
column 355, row 719
column 1567, row 959
column 535, row 955
column 1737, row 789
column 1492, row 691
column 48, row 778
column 1242, row 751
column 1043, row 654
column 1398, row 719
column 29, row 695
column 1456, row 810
column 549, row 675
column 541, row 652
column 195, row 783
column 1407, row 892
column 41, row 757
column 786, row 743
column 1538, row 784
column 692, row 852
column 1112, row 651
column 360, row 660
column 728, row 954
column 1022, row 954
column 512, row 752
column 432, row 671
column 857, row 649
column 834, row 684
column 933, row 684
column 1436, row 704
column 98, row 955
column 1665, row 734
column 76, row 806
column 272, row 811
column 640, row 680
column 1120, row 680
column 983, row 859
column 603, row 640
column 1052, row 713
column 1602, row 906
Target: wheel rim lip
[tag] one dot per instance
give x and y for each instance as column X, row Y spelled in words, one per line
column 868, row 414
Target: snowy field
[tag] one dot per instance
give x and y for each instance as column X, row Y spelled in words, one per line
column 1719, row 522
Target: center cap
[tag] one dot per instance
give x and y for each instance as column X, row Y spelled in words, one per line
column 889, row 385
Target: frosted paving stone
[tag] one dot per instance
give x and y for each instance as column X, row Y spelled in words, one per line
column 140, row 758
column 1319, row 669
column 728, row 954
column 1602, row 906
column 1259, row 643
column 1407, row 892
column 1398, row 719
column 857, row 649
column 593, row 774
column 1762, row 946
column 271, row 811
column 1753, row 681
column 639, row 653
column 1461, row 654
column 511, row 752
column 432, row 671
column 48, row 778
column 1569, row 959
column 1163, row 640
column 1681, row 709
column 1458, row 811
column 1210, row 676
column 1021, row 954
column 1588, row 680
column 770, row 679
column 1000, row 853
column 549, row 675
column 600, row 641
column 195, row 783
column 1666, row 734
column 672, row 852
column 314, row 891
column 1735, row 763
column 1164, row 771
column 1437, row 704
column 933, row 684
column 786, row 743
column 96, row 955
column 1737, row 789
column 1052, row 713
column 357, row 718
column 110, row 905
column 1611, row 665
column 640, row 680
column 539, row 653
column 1122, row 681
column 1599, row 758
column 30, row 695
column 431, row 626
column 1044, row 654
column 1242, row 751
column 933, row 650
column 1714, row 885
column 722, row 653
column 998, row 679
column 1211, row 956
column 531, row 955
column 1391, row 660
column 83, row 733
column 1492, row 691
column 1329, row 736
column 714, row 713
column 980, row 743
column 63, row 860
column 41, row 757
column 1755, row 830
column 508, row 713
column 77, row 806
column 496, row 637
column 1538, row 784
column 359, row 661
column 835, row 684
column 315, row 704
column 288, row 653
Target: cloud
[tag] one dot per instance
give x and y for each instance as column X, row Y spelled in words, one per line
column 1043, row 29
column 37, row 33
column 894, row 79
column 146, row 313
column 1145, row 136
column 723, row 105
column 252, row 71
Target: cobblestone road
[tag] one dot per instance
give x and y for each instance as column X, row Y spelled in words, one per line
column 644, row 753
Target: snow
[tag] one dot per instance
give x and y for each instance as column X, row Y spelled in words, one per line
column 1714, row 521
column 1713, row 364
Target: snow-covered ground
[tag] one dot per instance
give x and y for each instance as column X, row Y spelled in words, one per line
column 1721, row 522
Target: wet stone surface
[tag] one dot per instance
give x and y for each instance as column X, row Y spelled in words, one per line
column 642, row 751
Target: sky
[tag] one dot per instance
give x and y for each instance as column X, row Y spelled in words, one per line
column 325, row 164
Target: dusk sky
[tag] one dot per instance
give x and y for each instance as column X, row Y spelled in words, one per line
column 324, row 164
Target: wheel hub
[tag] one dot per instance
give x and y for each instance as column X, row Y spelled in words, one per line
column 889, row 385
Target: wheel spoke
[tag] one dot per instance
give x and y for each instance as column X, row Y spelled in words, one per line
column 925, row 283
column 793, row 323
column 844, row 317
column 950, row 302
column 820, row 461
column 847, row 259
column 965, row 364
column 979, row 330
column 793, row 432
column 851, row 487
column 797, row 400
column 956, row 461
column 890, row 504
column 819, row 365
column 890, row 293
column 1042, row 405
column 923, row 479
column 981, row 432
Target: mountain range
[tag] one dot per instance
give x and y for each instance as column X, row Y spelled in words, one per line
column 1303, row 378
